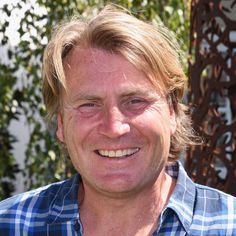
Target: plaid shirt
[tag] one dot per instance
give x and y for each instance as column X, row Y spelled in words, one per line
column 53, row 210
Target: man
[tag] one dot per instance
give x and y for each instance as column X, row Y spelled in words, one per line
column 115, row 84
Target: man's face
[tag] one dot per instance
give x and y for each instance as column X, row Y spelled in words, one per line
column 114, row 122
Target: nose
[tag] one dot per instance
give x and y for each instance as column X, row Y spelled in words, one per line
column 114, row 124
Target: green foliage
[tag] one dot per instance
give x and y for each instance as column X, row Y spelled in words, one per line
column 8, row 113
column 20, row 79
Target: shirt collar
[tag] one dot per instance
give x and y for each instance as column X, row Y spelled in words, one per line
column 183, row 197
column 64, row 206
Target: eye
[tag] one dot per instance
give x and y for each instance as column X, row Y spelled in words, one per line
column 136, row 104
column 136, row 101
column 87, row 108
column 87, row 105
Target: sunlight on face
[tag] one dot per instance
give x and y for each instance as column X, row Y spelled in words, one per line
column 114, row 122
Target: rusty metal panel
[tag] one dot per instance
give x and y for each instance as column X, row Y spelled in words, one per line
column 212, row 93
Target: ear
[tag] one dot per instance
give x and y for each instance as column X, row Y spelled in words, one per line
column 173, row 123
column 60, row 130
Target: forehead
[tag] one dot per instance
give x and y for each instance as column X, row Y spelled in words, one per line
column 94, row 59
column 92, row 64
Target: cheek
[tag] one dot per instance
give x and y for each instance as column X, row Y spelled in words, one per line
column 156, row 125
column 70, row 129
column 165, row 119
column 155, row 116
column 77, row 130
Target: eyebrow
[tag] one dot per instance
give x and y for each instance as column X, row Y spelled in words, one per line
column 140, row 92
column 83, row 95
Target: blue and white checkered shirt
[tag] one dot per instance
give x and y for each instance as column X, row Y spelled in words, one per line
column 53, row 210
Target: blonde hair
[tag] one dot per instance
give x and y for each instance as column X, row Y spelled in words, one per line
column 152, row 49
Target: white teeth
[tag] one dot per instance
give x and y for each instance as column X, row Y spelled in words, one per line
column 111, row 153
column 118, row 153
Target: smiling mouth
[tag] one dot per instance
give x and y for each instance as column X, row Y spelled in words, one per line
column 122, row 153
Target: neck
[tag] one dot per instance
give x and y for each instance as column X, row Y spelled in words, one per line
column 115, row 215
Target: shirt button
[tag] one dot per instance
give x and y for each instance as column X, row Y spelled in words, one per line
column 76, row 225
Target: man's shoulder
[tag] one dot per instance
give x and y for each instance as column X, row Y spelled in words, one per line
column 203, row 210
column 214, row 212
column 34, row 210
column 201, row 197
column 36, row 201
column 213, row 195
column 29, row 196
